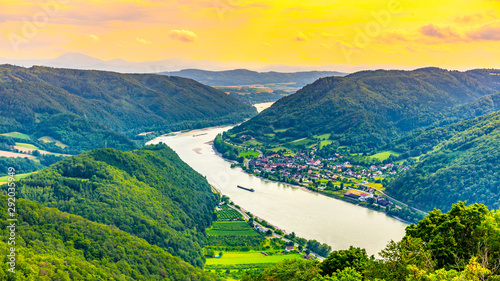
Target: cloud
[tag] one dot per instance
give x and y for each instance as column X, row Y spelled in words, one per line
column 183, row 35
column 490, row 32
column 301, row 37
column 432, row 30
column 392, row 37
column 469, row 18
column 477, row 17
column 94, row 37
column 144, row 41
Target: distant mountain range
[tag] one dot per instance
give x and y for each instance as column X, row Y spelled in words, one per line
column 97, row 104
column 240, row 77
column 81, row 61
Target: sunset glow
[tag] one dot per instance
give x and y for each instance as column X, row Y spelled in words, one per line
column 450, row 34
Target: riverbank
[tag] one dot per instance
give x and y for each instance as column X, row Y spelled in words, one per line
column 376, row 208
column 292, row 208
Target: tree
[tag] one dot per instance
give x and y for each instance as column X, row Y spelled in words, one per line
column 354, row 257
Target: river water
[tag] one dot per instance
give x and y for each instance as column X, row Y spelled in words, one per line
column 309, row 215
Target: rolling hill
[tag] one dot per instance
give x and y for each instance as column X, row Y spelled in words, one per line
column 54, row 245
column 459, row 161
column 369, row 109
column 122, row 103
column 149, row 193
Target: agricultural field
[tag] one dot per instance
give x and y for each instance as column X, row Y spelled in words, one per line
column 237, row 228
column 276, row 149
column 227, row 213
column 323, row 137
column 17, row 177
column 27, row 145
column 50, row 139
column 17, row 135
column 325, row 143
column 249, row 153
column 250, row 257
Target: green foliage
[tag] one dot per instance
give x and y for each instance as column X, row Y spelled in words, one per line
column 355, row 258
column 52, row 245
column 125, row 103
column 149, row 193
column 318, row 248
column 81, row 134
column 368, row 109
column 21, row 165
column 462, row 244
column 462, row 163
column 288, row 270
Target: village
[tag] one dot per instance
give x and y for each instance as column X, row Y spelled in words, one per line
column 332, row 176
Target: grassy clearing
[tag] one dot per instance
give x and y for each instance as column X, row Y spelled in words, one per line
column 17, row 135
column 27, row 145
column 250, row 258
column 303, row 141
column 376, row 186
column 276, row 149
column 51, row 139
column 17, row 177
column 248, row 153
column 323, row 137
column 252, row 143
column 325, row 142
column 384, row 155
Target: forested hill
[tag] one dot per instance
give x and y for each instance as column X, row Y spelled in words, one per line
column 149, row 193
column 370, row 108
column 53, row 245
column 240, row 77
column 126, row 103
column 460, row 161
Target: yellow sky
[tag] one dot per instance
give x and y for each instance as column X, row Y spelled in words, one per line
column 452, row 34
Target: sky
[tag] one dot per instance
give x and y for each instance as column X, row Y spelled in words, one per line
column 338, row 35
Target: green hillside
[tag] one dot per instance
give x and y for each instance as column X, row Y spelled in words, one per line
column 125, row 103
column 53, row 245
column 460, row 161
column 149, row 193
column 369, row 109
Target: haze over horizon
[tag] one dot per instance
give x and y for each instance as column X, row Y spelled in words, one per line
column 257, row 35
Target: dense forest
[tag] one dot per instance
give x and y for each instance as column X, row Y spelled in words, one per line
column 53, row 245
column 105, row 102
column 461, row 244
column 369, row 109
column 149, row 193
column 456, row 162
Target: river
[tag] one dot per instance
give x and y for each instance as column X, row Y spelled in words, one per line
column 309, row 215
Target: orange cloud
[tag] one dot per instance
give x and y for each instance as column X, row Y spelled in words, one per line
column 301, row 37
column 183, row 35
column 489, row 32
column 432, row 30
